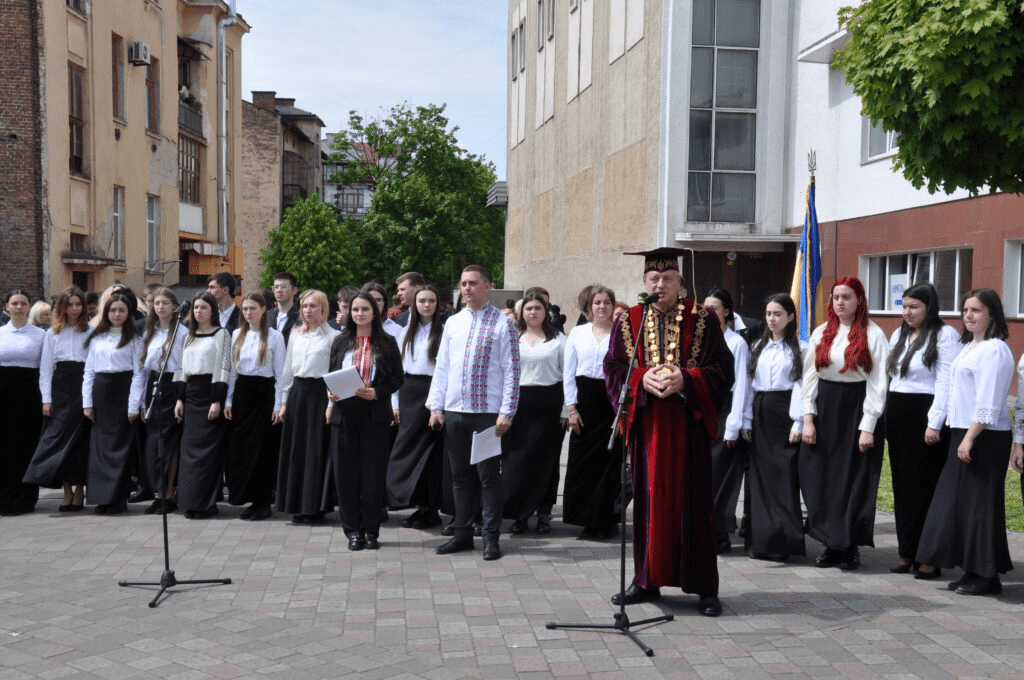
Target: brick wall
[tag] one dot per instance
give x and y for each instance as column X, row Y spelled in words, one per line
column 260, row 207
column 21, row 212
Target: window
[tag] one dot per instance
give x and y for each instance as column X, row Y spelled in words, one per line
column 878, row 143
column 351, row 201
column 545, row 99
column 153, row 95
column 77, row 5
column 625, row 26
column 517, row 88
column 78, row 243
column 76, row 116
column 152, row 229
column 723, row 111
column 1013, row 283
column 887, row 276
column 580, row 53
column 513, row 57
column 188, row 170
column 117, row 224
column 117, row 74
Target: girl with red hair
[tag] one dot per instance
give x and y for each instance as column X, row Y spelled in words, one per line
column 843, row 397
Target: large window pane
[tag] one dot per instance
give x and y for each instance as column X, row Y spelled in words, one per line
column 736, row 78
column 703, row 22
column 700, row 140
column 701, row 78
column 877, row 141
column 922, row 269
column 732, row 198
column 966, row 257
column 945, row 280
column 877, row 281
column 697, row 192
column 734, row 141
column 739, row 23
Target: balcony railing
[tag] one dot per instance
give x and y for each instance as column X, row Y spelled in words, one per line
column 190, row 119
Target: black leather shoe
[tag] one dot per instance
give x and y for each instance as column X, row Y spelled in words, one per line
column 723, row 545
column 829, row 558
column 248, row 512
column 979, row 585
column 262, row 512
column 902, row 568
column 709, row 605
column 455, row 545
column 141, row 495
column 518, row 527
column 850, row 560
column 154, row 507
column 117, row 509
column 635, row 595
column 927, row 575
column 410, row 521
column 372, row 543
column 448, row 529
column 770, row 557
column 356, row 542
column 427, row 520
column 491, row 550
column 953, row 585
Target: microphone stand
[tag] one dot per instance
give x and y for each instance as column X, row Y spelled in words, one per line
column 622, row 623
column 167, row 578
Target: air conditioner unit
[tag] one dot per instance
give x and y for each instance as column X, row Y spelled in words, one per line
column 138, row 52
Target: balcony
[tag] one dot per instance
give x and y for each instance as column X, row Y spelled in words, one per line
column 190, row 120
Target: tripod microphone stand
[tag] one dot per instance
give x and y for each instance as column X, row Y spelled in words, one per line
column 167, row 578
column 622, row 623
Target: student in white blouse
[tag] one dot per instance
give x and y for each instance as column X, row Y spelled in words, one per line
column 773, row 415
column 922, row 349
column 111, row 388
column 21, row 347
column 163, row 431
column 966, row 523
column 254, row 406
column 62, row 456
column 303, row 457
column 843, row 397
column 534, row 442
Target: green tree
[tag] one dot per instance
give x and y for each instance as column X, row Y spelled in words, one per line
column 945, row 75
column 315, row 245
column 428, row 210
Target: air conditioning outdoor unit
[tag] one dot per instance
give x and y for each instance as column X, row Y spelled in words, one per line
column 138, row 52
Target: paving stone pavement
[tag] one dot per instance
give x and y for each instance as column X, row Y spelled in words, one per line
column 301, row 605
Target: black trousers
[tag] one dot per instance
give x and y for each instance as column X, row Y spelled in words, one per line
column 472, row 484
column 359, row 457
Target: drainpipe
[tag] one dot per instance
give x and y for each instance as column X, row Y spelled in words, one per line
column 222, row 130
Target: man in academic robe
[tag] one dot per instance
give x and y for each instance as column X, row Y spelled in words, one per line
column 684, row 369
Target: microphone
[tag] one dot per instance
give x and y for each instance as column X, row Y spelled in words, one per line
column 183, row 307
column 650, row 299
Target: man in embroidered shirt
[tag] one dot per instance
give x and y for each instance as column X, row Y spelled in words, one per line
column 684, row 369
column 475, row 386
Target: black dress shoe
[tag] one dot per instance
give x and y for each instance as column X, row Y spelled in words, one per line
column 979, row 585
column 770, row 557
column 635, row 595
column 902, row 568
column 953, row 585
column 518, row 527
column 356, row 542
column 448, row 529
column 709, row 605
column 927, row 575
column 117, row 508
column 261, row 512
column 248, row 512
column 301, row 520
column 427, row 520
column 154, row 507
column 211, row 511
column 141, row 495
column 99, row 509
column 829, row 558
column 371, row 542
column 410, row 521
column 491, row 550
column 455, row 545
column 850, row 560
column 723, row 545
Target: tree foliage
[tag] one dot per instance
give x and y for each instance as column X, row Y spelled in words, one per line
column 945, row 75
column 315, row 245
column 428, row 209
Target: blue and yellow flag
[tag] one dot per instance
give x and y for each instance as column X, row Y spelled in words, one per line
column 806, row 290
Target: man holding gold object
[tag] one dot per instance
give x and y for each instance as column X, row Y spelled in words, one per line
column 684, row 369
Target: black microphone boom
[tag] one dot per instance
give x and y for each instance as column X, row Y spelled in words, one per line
column 650, row 299
column 183, row 307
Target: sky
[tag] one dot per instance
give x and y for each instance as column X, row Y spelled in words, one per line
column 333, row 56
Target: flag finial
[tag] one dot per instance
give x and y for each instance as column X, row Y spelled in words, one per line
column 812, row 162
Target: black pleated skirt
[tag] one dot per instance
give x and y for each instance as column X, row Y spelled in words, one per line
column 203, row 447
column 253, row 450
column 63, row 451
column 163, row 432
column 592, row 472
column 531, row 448
column 112, row 442
column 414, row 470
column 302, row 466
column 776, row 523
column 22, row 408
column 966, row 523
column 839, row 483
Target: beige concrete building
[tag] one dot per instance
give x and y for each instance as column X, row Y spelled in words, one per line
column 127, row 123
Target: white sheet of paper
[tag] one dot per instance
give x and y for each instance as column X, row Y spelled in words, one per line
column 486, row 445
column 345, row 382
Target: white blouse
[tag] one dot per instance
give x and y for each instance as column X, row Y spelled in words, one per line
column 874, row 397
column 206, row 354
column 155, row 350
column 584, row 356
column 106, row 357
column 541, row 364
column 21, row 347
column 248, row 359
column 923, row 380
column 741, row 383
column 773, row 373
column 68, row 345
column 1018, row 410
column 308, row 356
column 979, row 380
column 418, row 363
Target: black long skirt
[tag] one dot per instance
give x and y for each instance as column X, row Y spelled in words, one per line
column 839, row 483
column 302, row 467
column 252, row 451
column 112, row 441
column 776, row 524
column 531, row 448
column 414, row 470
column 727, row 466
column 592, row 482
column 163, row 432
column 22, row 408
column 63, row 451
column 203, row 448
column 915, row 466
column 966, row 523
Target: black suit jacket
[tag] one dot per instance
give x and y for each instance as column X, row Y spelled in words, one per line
column 389, row 377
column 293, row 317
column 233, row 319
